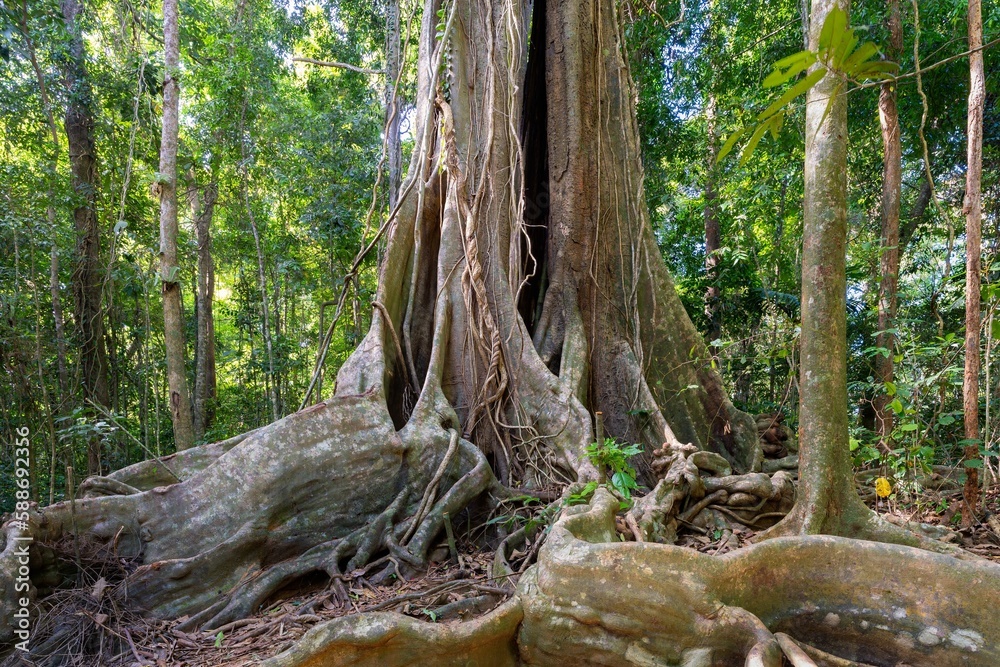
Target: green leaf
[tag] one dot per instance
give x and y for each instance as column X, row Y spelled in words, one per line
column 846, row 45
column 875, row 70
column 799, row 56
column 864, row 52
column 757, row 135
column 776, row 123
column 170, row 275
column 833, row 29
column 730, row 142
column 829, row 104
column 896, row 406
column 790, row 94
column 754, row 140
column 908, row 427
column 946, row 420
column 974, row 463
column 218, row 639
column 890, row 387
column 778, row 77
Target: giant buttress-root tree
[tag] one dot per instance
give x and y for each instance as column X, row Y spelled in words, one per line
column 522, row 290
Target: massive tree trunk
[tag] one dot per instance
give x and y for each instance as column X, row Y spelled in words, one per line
column 522, row 290
column 173, row 306
column 973, row 210
column 87, row 271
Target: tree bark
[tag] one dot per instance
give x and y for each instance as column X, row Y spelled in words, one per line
column 890, row 256
column 204, row 375
column 920, row 205
column 87, row 272
column 173, row 307
column 271, row 376
column 713, row 235
column 823, row 430
column 392, row 102
column 973, row 250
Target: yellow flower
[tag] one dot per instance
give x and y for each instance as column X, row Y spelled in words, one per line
column 882, row 487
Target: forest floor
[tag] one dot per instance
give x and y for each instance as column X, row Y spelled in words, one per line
column 943, row 509
column 452, row 589
column 448, row 591
column 937, row 508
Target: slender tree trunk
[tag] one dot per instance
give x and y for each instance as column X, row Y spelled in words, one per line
column 270, row 380
column 173, row 308
column 826, row 500
column 973, row 249
column 920, row 205
column 87, row 272
column 713, row 235
column 890, row 257
column 277, row 325
column 392, row 105
column 57, row 313
column 204, row 375
column 804, row 20
column 823, row 429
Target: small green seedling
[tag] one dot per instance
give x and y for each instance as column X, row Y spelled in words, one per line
column 611, row 459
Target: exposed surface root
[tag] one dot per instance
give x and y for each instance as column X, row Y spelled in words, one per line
column 591, row 600
column 274, row 508
column 695, row 489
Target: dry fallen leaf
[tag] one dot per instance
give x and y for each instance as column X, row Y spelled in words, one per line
column 99, row 586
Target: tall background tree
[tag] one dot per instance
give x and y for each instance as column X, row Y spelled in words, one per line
column 973, row 209
column 170, row 272
column 87, row 273
column 888, row 280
